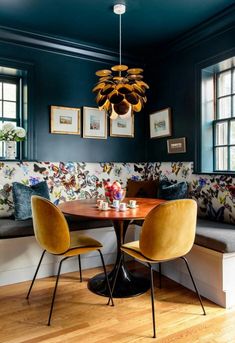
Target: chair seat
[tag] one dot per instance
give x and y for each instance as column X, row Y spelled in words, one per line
column 81, row 244
column 133, row 249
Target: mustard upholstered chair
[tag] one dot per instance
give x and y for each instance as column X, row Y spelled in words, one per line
column 168, row 233
column 52, row 233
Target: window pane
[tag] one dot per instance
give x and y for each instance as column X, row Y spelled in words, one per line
column 224, row 83
column 233, row 106
column 232, row 158
column 233, row 81
column 9, row 109
column 221, row 158
column 232, row 132
column 0, row 108
column 221, row 133
column 0, row 90
column 9, row 91
column 224, row 108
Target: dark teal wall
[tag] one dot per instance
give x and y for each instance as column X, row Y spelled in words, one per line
column 63, row 80
column 175, row 84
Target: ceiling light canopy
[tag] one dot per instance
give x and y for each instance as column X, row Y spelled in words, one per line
column 120, row 91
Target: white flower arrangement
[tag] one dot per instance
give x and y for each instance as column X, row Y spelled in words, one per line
column 11, row 133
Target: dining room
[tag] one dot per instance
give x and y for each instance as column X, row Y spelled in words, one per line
column 117, row 171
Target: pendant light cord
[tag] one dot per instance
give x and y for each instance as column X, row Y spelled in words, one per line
column 120, row 42
column 120, row 39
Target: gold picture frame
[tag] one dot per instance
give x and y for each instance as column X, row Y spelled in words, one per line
column 160, row 123
column 122, row 127
column 176, row 145
column 65, row 120
column 94, row 123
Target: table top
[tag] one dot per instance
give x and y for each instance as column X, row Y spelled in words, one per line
column 88, row 209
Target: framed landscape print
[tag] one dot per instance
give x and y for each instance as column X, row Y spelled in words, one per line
column 122, row 127
column 176, row 145
column 94, row 123
column 160, row 123
column 65, row 120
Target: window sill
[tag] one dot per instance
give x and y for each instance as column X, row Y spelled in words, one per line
column 215, row 173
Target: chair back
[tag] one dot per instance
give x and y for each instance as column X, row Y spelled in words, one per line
column 50, row 226
column 169, row 230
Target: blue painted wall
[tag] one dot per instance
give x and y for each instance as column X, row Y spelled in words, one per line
column 175, row 83
column 64, row 80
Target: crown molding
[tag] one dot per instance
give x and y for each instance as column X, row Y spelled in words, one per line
column 59, row 45
column 221, row 22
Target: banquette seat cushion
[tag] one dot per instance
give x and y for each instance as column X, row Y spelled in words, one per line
column 10, row 228
column 215, row 235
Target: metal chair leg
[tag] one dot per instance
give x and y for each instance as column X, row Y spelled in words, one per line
column 195, row 287
column 107, row 279
column 80, row 267
column 35, row 275
column 115, row 278
column 160, row 275
column 54, row 294
column 152, row 300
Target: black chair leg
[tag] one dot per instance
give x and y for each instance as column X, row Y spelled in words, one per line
column 152, row 300
column 115, row 278
column 195, row 287
column 160, row 275
column 107, row 279
column 80, row 267
column 54, row 294
column 35, row 275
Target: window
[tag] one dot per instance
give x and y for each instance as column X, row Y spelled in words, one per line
column 224, row 123
column 10, row 111
column 217, row 131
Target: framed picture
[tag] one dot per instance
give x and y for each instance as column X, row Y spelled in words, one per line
column 122, row 127
column 176, row 145
column 160, row 123
column 65, row 120
column 94, row 123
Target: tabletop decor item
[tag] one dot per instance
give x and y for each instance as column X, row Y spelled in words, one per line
column 113, row 191
column 11, row 134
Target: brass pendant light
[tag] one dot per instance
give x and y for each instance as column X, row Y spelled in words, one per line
column 120, row 91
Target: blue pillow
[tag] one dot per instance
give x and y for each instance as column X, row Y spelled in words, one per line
column 173, row 191
column 22, row 198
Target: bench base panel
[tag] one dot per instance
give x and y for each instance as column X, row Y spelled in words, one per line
column 214, row 274
column 19, row 257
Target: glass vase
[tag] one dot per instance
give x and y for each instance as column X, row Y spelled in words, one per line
column 10, row 150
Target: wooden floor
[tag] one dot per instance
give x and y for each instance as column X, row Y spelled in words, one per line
column 81, row 316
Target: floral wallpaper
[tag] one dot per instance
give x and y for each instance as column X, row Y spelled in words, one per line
column 215, row 195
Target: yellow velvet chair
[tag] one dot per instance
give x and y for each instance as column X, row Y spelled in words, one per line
column 52, row 233
column 168, row 233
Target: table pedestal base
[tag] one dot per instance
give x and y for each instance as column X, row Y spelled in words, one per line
column 129, row 284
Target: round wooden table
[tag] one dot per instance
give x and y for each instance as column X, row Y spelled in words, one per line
column 128, row 284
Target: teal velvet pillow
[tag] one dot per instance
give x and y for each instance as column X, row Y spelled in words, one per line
column 22, row 198
column 173, row 191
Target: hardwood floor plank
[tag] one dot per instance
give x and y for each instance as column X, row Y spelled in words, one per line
column 81, row 316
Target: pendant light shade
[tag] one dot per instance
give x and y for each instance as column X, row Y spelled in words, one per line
column 120, row 91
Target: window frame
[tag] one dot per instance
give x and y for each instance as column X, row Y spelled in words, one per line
column 204, row 72
column 227, row 120
column 17, row 80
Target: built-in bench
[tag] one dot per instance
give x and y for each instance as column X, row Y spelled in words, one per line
column 212, row 257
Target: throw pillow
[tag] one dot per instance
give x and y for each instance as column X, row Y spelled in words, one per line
column 22, row 198
column 142, row 189
column 173, row 191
